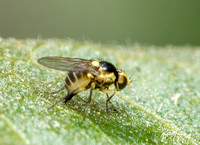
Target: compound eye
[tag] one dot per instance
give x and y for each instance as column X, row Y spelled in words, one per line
column 122, row 82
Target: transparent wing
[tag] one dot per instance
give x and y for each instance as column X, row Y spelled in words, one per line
column 67, row 64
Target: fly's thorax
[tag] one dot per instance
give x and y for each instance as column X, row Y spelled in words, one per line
column 104, row 67
column 107, row 77
column 107, row 73
column 105, row 81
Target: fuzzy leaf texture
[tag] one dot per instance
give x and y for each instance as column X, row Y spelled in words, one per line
column 161, row 106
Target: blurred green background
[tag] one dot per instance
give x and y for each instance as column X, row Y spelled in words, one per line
column 154, row 22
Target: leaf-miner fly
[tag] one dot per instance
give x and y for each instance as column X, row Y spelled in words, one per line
column 86, row 74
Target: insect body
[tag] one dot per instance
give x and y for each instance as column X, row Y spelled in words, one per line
column 87, row 74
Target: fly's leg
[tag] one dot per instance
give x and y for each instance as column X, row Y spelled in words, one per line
column 58, row 90
column 111, row 102
column 66, row 98
column 108, row 100
column 89, row 101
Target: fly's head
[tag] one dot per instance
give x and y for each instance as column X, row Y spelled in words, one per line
column 122, row 80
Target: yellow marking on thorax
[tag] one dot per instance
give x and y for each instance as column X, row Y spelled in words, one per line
column 95, row 63
column 107, row 78
column 89, row 75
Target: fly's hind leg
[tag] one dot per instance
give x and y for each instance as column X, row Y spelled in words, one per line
column 66, row 98
column 58, row 90
column 68, row 95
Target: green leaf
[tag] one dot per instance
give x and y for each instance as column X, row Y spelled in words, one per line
column 162, row 105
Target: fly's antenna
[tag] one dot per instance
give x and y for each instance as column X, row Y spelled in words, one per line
column 130, row 79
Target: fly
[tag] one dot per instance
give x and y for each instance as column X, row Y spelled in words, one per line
column 86, row 74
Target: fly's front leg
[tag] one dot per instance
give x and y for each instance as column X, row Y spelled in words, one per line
column 108, row 100
column 89, row 100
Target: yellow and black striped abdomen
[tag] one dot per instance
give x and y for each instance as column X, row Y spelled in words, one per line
column 76, row 80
